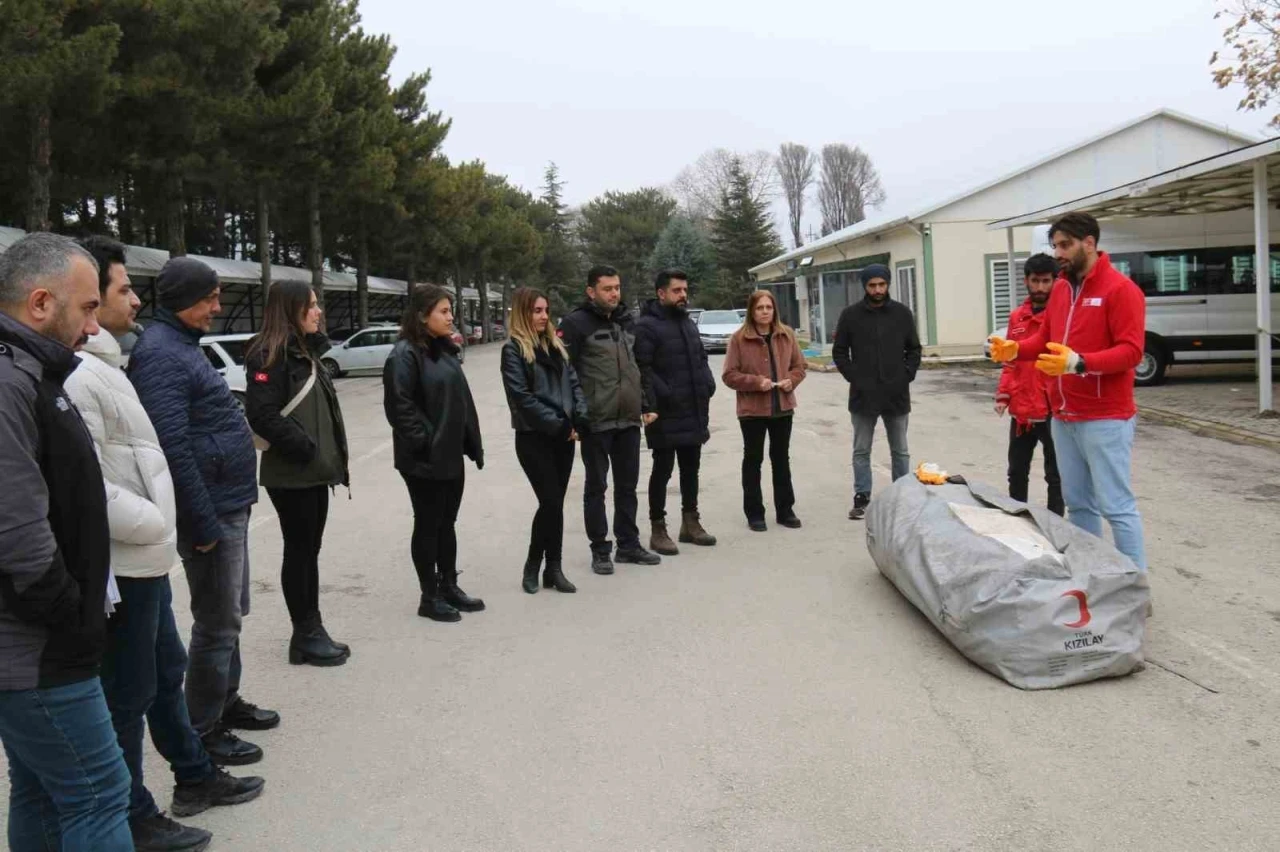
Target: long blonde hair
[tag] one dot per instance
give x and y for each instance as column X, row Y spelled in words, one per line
column 522, row 304
column 777, row 327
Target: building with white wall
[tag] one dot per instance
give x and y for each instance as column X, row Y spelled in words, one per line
column 954, row 272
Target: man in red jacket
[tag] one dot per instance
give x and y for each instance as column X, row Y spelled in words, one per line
column 1090, row 341
column 1024, row 390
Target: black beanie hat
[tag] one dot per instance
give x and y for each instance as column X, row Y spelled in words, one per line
column 182, row 282
column 875, row 270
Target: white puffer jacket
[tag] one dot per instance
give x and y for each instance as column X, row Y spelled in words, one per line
column 140, row 500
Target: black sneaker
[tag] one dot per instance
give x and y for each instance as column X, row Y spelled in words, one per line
column 757, row 524
column 221, row 788
column 790, row 522
column 161, row 834
column 601, row 563
column 637, row 556
column 859, row 510
column 226, row 749
column 249, row 717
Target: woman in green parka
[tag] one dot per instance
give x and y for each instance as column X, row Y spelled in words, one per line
column 293, row 410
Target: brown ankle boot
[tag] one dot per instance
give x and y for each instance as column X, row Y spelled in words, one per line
column 691, row 531
column 660, row 542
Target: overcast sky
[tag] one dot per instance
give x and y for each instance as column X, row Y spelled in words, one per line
column 624, row 93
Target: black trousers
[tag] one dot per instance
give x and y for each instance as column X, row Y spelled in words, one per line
column 302, row 513
column 435, row 541
column 664, row 462
column 778, row 430
column 621, row 447
column 1022, row 449
column 548, row 463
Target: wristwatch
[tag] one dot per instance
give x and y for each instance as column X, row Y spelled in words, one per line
column 1080, row 368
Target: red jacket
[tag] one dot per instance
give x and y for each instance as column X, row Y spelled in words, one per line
column 1022, row 387
column 1105, row 323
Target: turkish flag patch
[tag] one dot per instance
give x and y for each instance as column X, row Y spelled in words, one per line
column 260, row 378
column 559, row 332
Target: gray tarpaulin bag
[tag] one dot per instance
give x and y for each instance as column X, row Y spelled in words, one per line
column 1015, row 588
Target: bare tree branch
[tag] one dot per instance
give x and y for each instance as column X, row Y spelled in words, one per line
column 795, row 165
column 848, row 186
column 700, row 186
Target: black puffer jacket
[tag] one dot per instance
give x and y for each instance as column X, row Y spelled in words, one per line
column 544, row 396
column 429, row 406
column 309, row 447
column 877, row 350
column 678, row 383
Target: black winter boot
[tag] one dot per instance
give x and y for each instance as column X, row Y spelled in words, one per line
column 343, row 645
column 530, row 582
column 433, row 604
column 311, row 645
column 455, row 597
column 553, row 578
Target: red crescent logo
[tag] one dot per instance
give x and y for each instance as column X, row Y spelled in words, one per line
column 1083, row 600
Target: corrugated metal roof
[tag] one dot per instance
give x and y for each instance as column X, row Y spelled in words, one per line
column 146, row 262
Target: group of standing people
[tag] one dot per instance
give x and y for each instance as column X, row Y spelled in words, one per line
column 595, row 382
column 113, row 474
column 110, row 475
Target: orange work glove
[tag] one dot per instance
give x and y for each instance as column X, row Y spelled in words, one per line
column 1003, row 351
column 1058, row 361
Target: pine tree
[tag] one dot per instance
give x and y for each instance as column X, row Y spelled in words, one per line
column 560, row 270
column 682, row 246
column 742, row 234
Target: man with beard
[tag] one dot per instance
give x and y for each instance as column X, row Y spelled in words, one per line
column 600, row 339
column 678, row 387
column 1090, row 342
column 69, row 786
column 877, row 350
column 1023, row 390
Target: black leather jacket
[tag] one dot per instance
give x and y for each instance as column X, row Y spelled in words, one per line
column 544, row 396
column 429, row 406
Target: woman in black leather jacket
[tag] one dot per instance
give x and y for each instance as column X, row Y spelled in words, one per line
column 433, row 425
column 548, row 412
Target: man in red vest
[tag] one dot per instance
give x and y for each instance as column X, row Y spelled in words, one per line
column 1024, row 390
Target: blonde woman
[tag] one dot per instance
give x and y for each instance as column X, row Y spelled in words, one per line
column 764, row 365
column 548, row 412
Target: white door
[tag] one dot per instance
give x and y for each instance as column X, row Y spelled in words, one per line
column 360, row 350
column 380, row 351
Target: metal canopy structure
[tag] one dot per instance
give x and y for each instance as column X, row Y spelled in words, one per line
column 1247, row 178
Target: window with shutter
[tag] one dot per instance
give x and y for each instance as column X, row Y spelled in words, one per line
column 906, row 290
column 1006, row 294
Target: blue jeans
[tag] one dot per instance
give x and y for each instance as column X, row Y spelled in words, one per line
column 142, row 674
column 219, row 583
column 68, row 784
column 1093, row 461
column 864, row 429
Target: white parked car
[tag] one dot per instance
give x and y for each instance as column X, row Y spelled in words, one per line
column 226, row 353
column 716, row 327
column 368, row 349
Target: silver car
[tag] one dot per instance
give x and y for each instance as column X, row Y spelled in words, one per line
column 716, row 327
